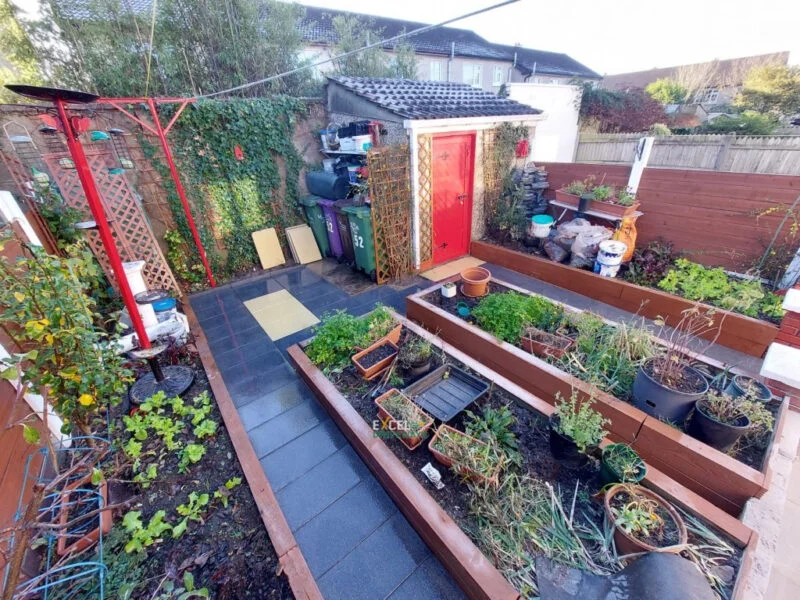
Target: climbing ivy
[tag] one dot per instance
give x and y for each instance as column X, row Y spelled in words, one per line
column 235, row 197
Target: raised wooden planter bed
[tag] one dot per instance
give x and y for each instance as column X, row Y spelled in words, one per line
column 721, row 479
column 475, row 574
column 745, row 334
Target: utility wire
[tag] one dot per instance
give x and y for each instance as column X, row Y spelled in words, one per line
column 367, row 47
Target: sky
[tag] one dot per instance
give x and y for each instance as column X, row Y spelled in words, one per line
column 615, row 36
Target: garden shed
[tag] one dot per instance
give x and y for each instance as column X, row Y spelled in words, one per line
column 451, row 130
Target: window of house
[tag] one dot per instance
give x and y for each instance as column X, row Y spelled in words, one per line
column 497, row 76
column 436, row 70
column 473, row 74
column 707, row 96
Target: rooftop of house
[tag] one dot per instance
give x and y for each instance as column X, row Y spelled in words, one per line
column 719, row 73
column 317, row 28
column 413, row 99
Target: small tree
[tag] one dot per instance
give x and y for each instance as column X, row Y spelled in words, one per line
column 667, row 91
column 610, row 111
column 353, row 34
column 47, row 312
column 747, row 123
column 772, row 88
column 18, row 52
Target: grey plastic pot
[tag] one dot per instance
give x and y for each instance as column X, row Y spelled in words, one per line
column 737, row 387
column 662, row 402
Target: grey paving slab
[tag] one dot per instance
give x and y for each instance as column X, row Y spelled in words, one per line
column 306, row 497
column 254, row 289
column 256, row 385
column 276, row 432
column 390, row 555
column 247, row 362
column 429, row 580
column 256, row 345
column 294, row 459
column 273, row 404
column 336, row 531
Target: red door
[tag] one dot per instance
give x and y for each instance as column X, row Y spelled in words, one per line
column 453, row 157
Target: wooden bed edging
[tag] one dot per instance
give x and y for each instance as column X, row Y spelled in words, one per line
column 473, row 572
column 719, row 478
column 357, row 431
column 290, row 557
column 742, row 333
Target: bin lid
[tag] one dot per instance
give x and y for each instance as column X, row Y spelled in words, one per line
column 542, row 219
column 359, row 211
column 310, row 200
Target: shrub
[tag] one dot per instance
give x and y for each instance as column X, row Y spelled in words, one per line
column 504, row 315
column 651, row 263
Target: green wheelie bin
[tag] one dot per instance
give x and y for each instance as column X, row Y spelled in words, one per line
column 316, row 220
column 363, row 242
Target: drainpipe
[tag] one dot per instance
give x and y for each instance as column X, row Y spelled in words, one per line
column 450, row 61
column 414, row 155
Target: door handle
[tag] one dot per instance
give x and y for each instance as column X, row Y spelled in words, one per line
column 461, row 198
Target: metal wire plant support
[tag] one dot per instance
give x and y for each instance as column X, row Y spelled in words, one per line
column 64, row 519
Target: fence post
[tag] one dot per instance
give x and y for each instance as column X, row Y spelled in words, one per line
column 643, row 148
column 722, row 153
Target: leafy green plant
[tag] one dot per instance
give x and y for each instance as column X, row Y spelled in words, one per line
column 624, row 461
column 414, row 352
column 184, row 264
column 45, row 307
column 579, row 421
column 578, row 187
column 602, row 192
column 651, row 263
column 639, row 517
column 341, row 333
column 712, row 285
column 224, row 492
column 192, row 511
column 504, row 315
column 494, row 427
column 206, row 428
column 168, row 590
column 727, row 409
column 191, row 453
column 142, row 536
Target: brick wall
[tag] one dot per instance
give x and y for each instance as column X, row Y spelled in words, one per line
column 789, row 333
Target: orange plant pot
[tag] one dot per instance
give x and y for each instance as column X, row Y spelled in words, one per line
column 475, row 281
column 449, row 462
column 412, row 443
column 65, row 544
column 373, row 371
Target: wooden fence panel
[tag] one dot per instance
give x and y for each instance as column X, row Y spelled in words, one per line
column 778, row 154
column 708, row 214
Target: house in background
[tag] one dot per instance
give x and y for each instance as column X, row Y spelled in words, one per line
column 450, row 54
column 713, row 85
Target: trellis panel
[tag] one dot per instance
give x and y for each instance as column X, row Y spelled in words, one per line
column 390, row 195
column 131, row 231
column 425, row 197
column 492, row 174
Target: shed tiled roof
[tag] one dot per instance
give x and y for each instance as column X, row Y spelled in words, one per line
column 413, row 99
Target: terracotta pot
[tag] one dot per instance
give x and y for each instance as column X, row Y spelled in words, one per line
column 412, row 443
column 394, row 335
column 76, row 544
column 373, row 371
column 616, row 210
column 627, row 544
column 449, row 462
column 547, row 346
column 475, row 281
column 571, row 199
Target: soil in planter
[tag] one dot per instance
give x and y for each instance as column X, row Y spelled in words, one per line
column 537, row 461
column 690, row 383
column 222, row 553
column 668, row 535
column 376, row 356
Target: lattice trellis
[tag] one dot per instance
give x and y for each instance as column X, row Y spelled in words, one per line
column 492, row 173
column 425, row 196
column 22, row 177
column 132, row 234
column 390, row 194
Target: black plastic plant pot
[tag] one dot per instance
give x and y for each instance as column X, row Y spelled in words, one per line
column 564, row 450
column 739, row 384
column 610, row 474
column 663, row 402
column 418, row 370
column 716, row 434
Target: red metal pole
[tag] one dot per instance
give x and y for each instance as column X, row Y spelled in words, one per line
column 96, row 206
column 179, row 187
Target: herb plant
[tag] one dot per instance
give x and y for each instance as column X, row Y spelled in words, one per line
column 728, row 410
column 640, row 518
column 484, row 459
column 402, row 409
column 414, row 352
column 504, row 315
column 494, row 427
column 624, row 461
column 579, row 421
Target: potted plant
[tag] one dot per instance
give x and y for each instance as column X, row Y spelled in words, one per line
column 667, row 386
column 619, row 463
column 449, row 289
column 575, row 430
column 741, row 385
column 372, row 361
column 541, row 343
column 415, row 357
column 719, row 421
column 643, row 521
column 471, row 458
column 570, row 194
column 613, row 202
column 406, row 420
column 475, row 281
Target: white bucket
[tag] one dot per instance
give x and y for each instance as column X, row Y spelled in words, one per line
column 362, row 143
column 540, row 226
column 609, row 258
